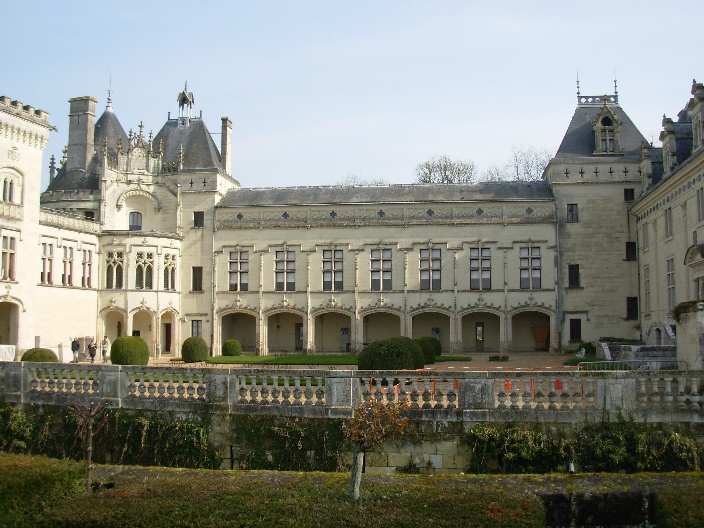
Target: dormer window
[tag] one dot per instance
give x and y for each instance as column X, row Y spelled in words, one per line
column 606, row 131
column 135, row 221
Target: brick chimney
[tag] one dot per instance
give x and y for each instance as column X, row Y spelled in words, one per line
column 81, row 132
column 226, row 145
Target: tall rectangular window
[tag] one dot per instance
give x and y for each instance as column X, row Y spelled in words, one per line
column 573, row 276
column 47, row 263
column 575, row 330
column 198, row 218
column 668, row 222
column 670, row 270
column 67, row 275
column 196, row 327
column 87, row 267
column 629, row 195
column 645, row 237
column 479, row 268
column 285, row 271
column 572, row 213
column 700, row 205
column 169, row 271
column 631, row 251
column 530, row 266
column 381, row 269
column 646, row 290
column 197, row 279
column 332, row 270
column 631, row 308
column 7, row 273
column 238, row 267
column 430, row 269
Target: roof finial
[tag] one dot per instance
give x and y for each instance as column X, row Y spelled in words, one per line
column 109, row 105
column 577, row 83
column 615, row 84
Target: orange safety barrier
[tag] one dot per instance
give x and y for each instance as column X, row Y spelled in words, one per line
column 508, row 385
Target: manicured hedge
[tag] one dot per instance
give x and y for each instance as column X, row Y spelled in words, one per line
column 129, row 350
column 415, row 348
column 43, row 355
column 194, row 350
column 428, row 348
column 385, row 355
column 231, row 347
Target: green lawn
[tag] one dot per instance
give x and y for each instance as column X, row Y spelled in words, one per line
column 298, row 359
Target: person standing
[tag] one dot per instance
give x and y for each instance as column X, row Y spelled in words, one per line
column 75, row 346
column 105, row 348
column 91, row 350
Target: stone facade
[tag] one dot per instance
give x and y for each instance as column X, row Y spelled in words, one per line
column 150, row 235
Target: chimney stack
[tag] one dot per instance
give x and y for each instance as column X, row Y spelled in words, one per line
column 226, row 145
column 81, row 132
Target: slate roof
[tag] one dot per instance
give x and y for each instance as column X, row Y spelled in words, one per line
column 579, row 138
column 107, row 127
column 407, row 193
column 199, row 149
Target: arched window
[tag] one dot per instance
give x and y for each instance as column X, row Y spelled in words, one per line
column 169, row 272
column 144, row 270
column 135, row 221
column 113, row 270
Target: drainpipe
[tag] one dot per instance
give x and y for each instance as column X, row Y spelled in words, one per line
column 558, row 303
column 212, row 291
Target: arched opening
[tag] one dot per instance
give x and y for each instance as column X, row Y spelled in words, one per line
column 333, row 333
column 9, row 323
column 240, row 326
column 481, row 332
column 142, row 326
column 285, row 332
column 380, row 325
column 432, row 324
column 167, row 338
column 531, row 332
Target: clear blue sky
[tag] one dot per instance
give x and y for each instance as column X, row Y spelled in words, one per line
column 318, row 90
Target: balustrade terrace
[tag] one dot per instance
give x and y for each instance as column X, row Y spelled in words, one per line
column 546, row 396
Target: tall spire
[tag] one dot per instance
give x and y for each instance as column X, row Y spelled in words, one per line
column 109, row 104
column 577, row 83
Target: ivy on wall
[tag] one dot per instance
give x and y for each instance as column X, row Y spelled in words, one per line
column 622, row 446
column 129, row 437
column 288, row 444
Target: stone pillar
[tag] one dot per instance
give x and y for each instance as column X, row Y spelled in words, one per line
column 690, row 337
column 81, row 132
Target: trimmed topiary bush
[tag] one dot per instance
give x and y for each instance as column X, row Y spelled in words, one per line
column 194, row 349
column 437, row 345
column 231, row 347
column 41, row 355
column 428, row 349
column 129, row 350
column 385, row 355
column 415, row 348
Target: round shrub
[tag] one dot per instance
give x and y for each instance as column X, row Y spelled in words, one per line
column 414, row 347
column 41, row 355
column 437, row 345
column 129, row 350
column 194, row 349
column 428, row 349
column 231, row 347
column 385, row 355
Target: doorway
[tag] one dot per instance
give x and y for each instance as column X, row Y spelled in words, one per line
column 479, row 337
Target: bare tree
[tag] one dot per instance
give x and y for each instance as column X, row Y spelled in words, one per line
column 353, row 180
column 525, row 164
column 370, row 425
column 87, row 415
column 442, row 169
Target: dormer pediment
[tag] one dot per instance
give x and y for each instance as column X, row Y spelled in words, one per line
column 607, row 128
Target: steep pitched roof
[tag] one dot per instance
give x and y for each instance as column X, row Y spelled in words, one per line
column 579, row 138
column 490, row 191
column 199, row 150
column 109, row 127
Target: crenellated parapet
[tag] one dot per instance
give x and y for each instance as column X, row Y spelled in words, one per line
column 68, row 221
column 24, row 111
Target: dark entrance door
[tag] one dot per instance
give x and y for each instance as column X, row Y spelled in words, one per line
column 167, row 338
column 479, row 337
column 299, row 336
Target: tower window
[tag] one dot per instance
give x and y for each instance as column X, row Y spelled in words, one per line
column 135, row 221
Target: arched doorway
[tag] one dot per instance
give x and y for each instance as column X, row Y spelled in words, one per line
column 481, row 332
column 143, row 326
column 9, row 323
column 333, row 333
column 240, row 326
column 285, row 332
column 380, row 325
column 432, row 324
column 530, row 332
column 167, row 334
